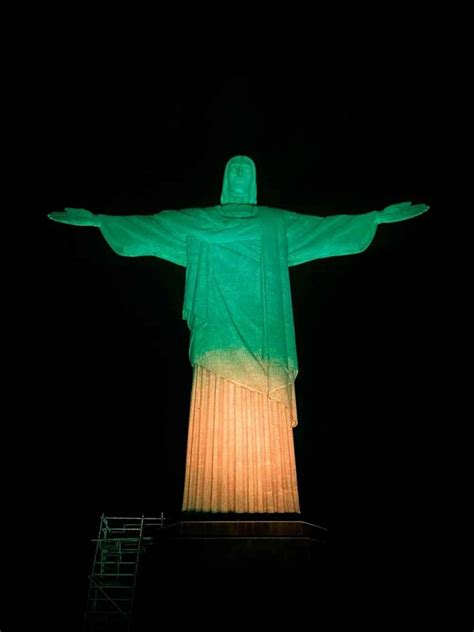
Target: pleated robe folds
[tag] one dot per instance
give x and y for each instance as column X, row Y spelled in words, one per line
column 237, row 303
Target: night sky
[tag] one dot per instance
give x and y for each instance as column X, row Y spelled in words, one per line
column 112, row 348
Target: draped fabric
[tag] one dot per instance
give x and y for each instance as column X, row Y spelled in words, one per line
column 240, row 455
column 237, row 303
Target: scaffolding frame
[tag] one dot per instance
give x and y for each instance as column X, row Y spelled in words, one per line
column 119, row 546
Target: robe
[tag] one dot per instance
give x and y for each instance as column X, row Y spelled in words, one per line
column 237, row 303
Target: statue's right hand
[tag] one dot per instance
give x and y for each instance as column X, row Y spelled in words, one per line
column 75, row 216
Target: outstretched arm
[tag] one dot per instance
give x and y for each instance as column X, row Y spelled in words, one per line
column 311, row 237
column 161, row 235
column 401, row 211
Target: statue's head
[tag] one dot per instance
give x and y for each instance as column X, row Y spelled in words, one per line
column 240, row 181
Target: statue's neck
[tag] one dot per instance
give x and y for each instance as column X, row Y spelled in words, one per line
column 238, row 210
column 236, row 198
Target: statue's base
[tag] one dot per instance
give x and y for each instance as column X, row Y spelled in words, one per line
column 229, row 569
column 241, row 543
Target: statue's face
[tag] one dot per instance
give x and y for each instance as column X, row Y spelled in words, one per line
column 239, row 178
column 239, row 186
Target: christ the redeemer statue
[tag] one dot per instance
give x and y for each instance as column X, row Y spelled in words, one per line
column 237, row 302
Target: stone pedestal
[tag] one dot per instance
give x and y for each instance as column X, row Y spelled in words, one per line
column 231, row 570
column 241, row 544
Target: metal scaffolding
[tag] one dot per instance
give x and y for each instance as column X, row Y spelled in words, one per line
column 118, row 549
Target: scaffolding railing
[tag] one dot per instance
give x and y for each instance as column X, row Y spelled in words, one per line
column 112, row 582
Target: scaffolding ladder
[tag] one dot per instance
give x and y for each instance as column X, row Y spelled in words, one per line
column 118, row 549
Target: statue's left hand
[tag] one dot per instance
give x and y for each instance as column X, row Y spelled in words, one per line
column 401, row 211
column 75, row 216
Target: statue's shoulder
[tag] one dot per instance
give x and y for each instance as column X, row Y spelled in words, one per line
column 274, row 209
column 195, row 211
column 273, row 212
column 192, row 215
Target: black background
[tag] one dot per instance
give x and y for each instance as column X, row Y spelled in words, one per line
column 102, row 357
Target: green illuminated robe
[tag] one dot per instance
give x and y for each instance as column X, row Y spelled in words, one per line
column 237, row 299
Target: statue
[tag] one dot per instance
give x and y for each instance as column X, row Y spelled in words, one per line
column 237, row 303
